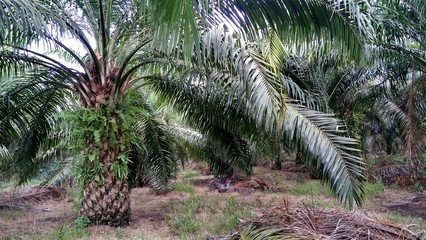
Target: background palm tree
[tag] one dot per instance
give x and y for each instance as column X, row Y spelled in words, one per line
column 404, row 41
column 118, row 39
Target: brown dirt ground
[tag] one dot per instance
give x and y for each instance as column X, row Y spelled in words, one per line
column 148, row 209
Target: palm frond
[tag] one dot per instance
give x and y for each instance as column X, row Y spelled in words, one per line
column 4, row 152
column 319, row 135
column 297, row 93
column 179, row 22
column 26, row 196
column 55, row 157
column 251, row 233
column 160, row 164
column 57, row 172
column 28, row 108
column 342, row 25
column 21, row 20
column 228, row 153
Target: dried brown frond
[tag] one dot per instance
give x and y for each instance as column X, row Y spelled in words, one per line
column 302, row 221
column 399, row 174
column 23, row 198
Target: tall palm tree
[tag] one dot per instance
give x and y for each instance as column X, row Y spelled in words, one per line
column 120, row 43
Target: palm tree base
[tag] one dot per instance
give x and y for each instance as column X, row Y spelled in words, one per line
column 107, row 204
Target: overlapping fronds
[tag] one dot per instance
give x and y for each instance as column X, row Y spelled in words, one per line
column 231, row 92
column 159, row 165
column 21, row 20
column 228, row 154
column 155, row 152
column 301, row 221
column 57, row 171
column 403, row 34
column 55, row 156
column 230, row 62
column 194, row 143
column 410, row 123
column 342, row 25
column 179, row 21
column 28, row 109
column 302, row 95
column 221, row 120
column 239, row 93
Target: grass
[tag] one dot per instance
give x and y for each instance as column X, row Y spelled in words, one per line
column 311, row 187
column 67, row 232
column 398, row 158
column 13, row 183
column 416, row 224
column 202, row 216
column 184, row 187
column 373, row 188
column 10, row 214
column 191, row 175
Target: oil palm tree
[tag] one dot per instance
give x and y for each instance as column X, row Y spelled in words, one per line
column 115, row 36
column 121, row 44
column 393, row 79
column 404, row 41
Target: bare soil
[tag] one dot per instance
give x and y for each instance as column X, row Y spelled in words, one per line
column 149, row 210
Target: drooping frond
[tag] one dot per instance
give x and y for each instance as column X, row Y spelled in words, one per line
column 26, row 196
column 299, row 94
column 409, row 121
column 179, row 22
column 320, row 136
column 155, row 153
column 159, row 165
column 230, row 63
column 228, row 154
column 238, row 89
column 57, row 172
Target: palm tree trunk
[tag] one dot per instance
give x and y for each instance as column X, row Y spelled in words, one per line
column 107, row 202
column 106, row 199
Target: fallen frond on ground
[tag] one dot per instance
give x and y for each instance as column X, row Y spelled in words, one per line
column 300, row 221
column 243, row 186
column 399, row 174
column 26, row 196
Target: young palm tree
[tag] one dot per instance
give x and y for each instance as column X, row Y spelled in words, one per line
column 116, row 42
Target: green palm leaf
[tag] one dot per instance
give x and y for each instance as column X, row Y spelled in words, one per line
column 320, row 136
column 342, row 25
